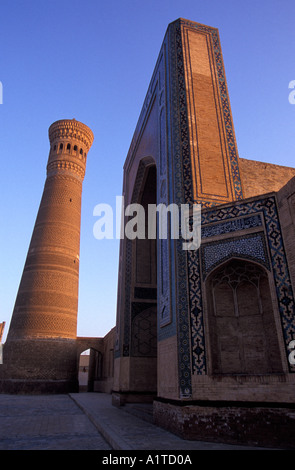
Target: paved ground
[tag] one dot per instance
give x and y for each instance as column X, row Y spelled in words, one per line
column 46, row 423
column 127, row 432
column 83, row 421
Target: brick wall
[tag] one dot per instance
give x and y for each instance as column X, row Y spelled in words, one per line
column 261, row 178
column 249, row 425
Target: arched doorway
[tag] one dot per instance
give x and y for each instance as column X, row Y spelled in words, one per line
column 143, row 314
column 90, row 363
column 242, row 331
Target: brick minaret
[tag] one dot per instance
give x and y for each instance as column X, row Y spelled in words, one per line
column 40, row 351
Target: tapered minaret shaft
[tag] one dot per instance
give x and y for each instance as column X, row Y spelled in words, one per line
column 44, row 320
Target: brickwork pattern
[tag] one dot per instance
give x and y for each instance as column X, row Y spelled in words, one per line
column 257, row 425
column 187, row 111
column 261, row 178
column 46, row 304
column 47, row 300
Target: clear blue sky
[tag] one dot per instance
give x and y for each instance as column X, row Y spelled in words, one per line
column 92, row 60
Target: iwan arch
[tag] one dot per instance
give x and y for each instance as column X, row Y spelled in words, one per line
column 184, row 152
column 205, row 335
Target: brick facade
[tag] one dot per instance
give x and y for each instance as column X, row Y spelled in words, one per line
column 225, row 312
column 261, row 178
column 205, row 334
column 40, row 350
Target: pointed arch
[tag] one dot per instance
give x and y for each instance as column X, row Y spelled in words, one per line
column 242, row 332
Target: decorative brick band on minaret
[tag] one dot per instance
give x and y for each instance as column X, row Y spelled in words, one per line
column 46, row 306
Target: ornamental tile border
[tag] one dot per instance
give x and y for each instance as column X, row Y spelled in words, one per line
column 278, row 262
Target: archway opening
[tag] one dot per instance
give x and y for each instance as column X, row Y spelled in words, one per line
column 90, row 363
column 242, row 329
column 143, row 347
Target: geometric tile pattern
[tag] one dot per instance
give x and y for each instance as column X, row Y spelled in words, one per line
column 265, row 246
column 252, row 247
column 182, row 194
column 273, row 236
column 181, row 162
